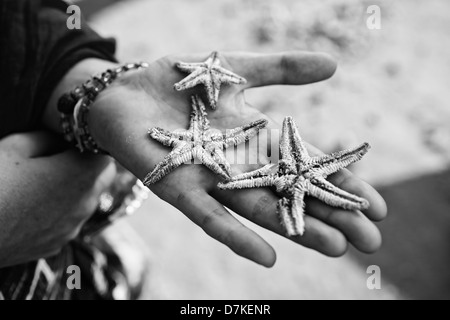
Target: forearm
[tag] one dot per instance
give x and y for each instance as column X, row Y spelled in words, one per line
column 76, row 76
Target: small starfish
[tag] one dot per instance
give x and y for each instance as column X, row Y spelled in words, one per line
column 210, row 74
column 298, row 174
column 201, row 142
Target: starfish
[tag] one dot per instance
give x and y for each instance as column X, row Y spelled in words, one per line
column 201, row 142
column 298, row 174
column 210, row 74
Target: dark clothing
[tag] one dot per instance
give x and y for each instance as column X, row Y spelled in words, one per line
column 36, row 50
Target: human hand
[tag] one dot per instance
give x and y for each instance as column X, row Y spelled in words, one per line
column 123, row 113
column 45, row 195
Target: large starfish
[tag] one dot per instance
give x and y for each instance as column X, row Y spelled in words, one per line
column 210, row 74
column 299, row 174
column 201, row 142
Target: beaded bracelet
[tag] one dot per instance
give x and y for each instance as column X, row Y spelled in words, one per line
column 74, row 107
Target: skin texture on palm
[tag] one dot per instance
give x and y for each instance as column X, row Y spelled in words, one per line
column 298, row 174
column 199, row 141
column 122, row 114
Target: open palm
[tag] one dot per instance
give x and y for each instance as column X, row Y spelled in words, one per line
column 122, row 115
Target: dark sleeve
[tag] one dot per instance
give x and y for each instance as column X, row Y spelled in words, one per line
column 36, row 50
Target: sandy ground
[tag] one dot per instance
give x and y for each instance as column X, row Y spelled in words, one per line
column 391, row 89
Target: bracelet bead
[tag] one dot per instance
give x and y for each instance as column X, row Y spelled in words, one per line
column 74, row 107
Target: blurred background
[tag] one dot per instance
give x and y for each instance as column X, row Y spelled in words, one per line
column 391, row 89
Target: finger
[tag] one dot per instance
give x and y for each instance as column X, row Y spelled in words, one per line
column 356, row 227
column 347, row 181
column 34, row 144
column 288, row 68
column 218, row 223
column 260, row 206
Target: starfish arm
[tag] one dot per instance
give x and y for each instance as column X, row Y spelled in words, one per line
column 165, row 137
column 212, row 87
column 292, row 148
column 216, row 86
column 190, row 67
column 244, row 133
column 291, row 213
column 261, row 172
column 170, row 163
column 228, row 77
column 183, row 135
column 213, row 59
column 336, row 161
column 209, row 162
column 199, row 120
column 334, row 196
column 218, row 156
column 265, row 181
column 216, row 136
column 298, row 145
column 195, row 78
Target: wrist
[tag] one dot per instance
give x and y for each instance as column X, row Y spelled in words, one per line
column 107, row 111
column 75, row 105
column 73, row 78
